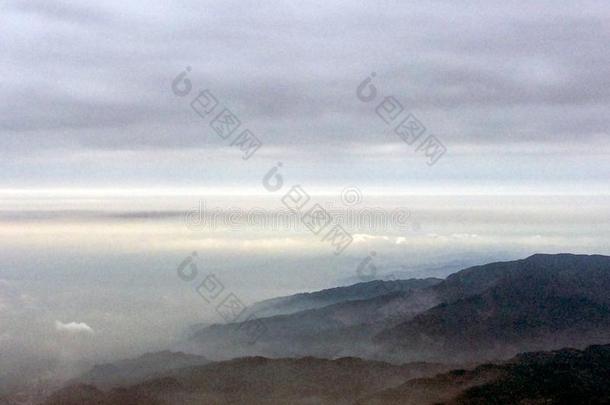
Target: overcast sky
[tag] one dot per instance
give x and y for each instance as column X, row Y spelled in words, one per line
column 517, row 92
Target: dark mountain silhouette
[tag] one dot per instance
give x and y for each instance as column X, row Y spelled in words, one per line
column 544, row 301
column 566, row 376
column 475, row 280
column 257, row 380
column 562, row 377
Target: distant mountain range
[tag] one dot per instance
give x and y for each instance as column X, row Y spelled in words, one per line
column 567, row 376
column 393, row 342
column 258, row 380
column 133, row 371
column 319, row 299
column 543, row 302
column 343, row 327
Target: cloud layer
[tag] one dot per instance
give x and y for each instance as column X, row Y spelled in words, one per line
column 494, row 72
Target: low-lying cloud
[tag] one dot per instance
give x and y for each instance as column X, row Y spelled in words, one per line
column 73, row 327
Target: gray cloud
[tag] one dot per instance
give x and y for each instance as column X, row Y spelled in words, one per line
column 60, row 11
column 292, row 71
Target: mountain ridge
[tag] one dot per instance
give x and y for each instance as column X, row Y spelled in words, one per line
column 552, row 377
column 364, row 327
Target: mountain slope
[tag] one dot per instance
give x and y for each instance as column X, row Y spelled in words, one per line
column 257, row 380
column 318, row 299
column 565, row 376
column 341, row 329
column 542, row 302
column 480, row 313
column 475, row 280
column 132, row 371
column 344, row 328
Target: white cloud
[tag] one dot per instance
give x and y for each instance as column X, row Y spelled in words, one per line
column 401, row 239
column 464, row 235
column 365, row 237
column 73, row 327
